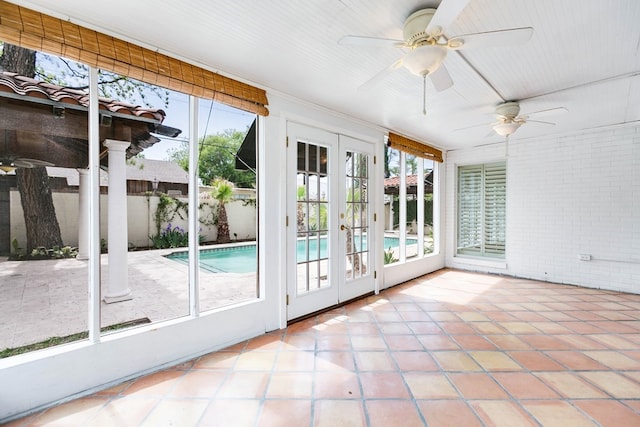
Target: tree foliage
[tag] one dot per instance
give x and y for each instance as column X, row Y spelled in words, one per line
column 217, row 158
column 73, row 75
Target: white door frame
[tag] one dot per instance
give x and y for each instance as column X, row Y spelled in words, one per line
column 319, row 281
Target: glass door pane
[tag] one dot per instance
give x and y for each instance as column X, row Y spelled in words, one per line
column 356, row 225
column 357, row 243
column 312, row 207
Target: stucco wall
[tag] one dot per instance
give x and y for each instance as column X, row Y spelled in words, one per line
column 242, row 219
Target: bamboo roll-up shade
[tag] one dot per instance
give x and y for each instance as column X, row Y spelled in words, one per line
column 27, row 28
column 416, row 148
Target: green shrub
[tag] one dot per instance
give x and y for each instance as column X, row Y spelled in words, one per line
column 389, row 257
column 170, row 237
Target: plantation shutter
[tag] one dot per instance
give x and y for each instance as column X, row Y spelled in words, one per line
column 495, row 195
column 416, row 148
column 470, row 209
column 482, row 199
column 33, row 30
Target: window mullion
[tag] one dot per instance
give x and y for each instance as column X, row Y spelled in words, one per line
column 193, row 220
column 420, row 205
column 402, row 205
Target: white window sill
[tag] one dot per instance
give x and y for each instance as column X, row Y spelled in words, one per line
column 481, row 262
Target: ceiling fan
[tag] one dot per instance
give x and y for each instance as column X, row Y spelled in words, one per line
column 509, row 120
column 9, row 164
column 424, row 37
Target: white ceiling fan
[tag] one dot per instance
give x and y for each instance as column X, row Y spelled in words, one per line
column 509, row 120
column 424, row 37
column 9, row 164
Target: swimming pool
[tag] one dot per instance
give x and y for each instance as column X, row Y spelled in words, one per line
column 242, row 258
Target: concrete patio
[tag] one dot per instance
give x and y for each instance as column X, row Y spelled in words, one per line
column 42, row 299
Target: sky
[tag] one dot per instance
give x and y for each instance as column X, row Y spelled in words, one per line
column 213, row 118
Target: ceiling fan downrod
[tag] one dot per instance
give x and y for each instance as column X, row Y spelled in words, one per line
column 506, row 146
column 424, row 94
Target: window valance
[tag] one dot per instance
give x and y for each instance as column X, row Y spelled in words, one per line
column 416, row 148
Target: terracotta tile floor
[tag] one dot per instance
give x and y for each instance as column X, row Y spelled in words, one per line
column 447, row 349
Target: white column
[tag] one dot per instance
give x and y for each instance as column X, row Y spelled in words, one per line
column 117, row 287
column 83, row 215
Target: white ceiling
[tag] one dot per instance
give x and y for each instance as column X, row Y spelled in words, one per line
column 584, row 55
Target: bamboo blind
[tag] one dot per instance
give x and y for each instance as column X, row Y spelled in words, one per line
column 413, row 147
column 34, row 30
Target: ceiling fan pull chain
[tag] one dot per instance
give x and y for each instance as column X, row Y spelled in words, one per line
column 506, row 147
column 424, row 94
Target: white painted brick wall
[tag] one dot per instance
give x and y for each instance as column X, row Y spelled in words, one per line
column 566, row 195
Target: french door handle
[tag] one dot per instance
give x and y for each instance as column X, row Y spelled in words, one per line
column 342, row 227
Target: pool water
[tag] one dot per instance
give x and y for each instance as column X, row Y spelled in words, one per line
column 243, row 259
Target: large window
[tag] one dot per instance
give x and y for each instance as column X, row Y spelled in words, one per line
column 408, row 196
column 143, row 193
column 482, row 210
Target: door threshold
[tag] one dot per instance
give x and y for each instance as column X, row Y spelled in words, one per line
column 329, row 308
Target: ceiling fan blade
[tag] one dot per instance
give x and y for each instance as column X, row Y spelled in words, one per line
column 441, row 78
column 373, row 81
column 474, row 126
column 540, row 123
column 30, row 163
column 549, row 112
column 499, row 38
column 445, row 14
column 369, row 41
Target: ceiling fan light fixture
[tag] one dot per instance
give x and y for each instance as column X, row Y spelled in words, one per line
column 425, row 59
column 506, row 129
column 7, row 167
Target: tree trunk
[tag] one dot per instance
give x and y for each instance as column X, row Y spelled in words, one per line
column 18, row 60
column 39, row 212
column 355, row 257
column 33, row 184
column 223, row 225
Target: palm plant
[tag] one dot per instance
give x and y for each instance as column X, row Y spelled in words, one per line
column 301, row 196
column 353, row 211
column 223, row 192
column 356, row 194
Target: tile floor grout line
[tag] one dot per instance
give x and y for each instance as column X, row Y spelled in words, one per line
column 512, row 397
column 412, row 396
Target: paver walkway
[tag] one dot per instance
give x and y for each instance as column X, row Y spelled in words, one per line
column 43, row 299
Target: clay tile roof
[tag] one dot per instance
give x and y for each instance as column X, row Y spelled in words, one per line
column 394, row 181
column 411, row 180
column 26, row 86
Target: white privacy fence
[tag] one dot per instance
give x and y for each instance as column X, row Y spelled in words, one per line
column 141, row 224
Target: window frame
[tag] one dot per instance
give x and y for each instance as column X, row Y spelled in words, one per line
column 402, row 209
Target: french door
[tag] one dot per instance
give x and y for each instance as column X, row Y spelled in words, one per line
column 330, row 233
